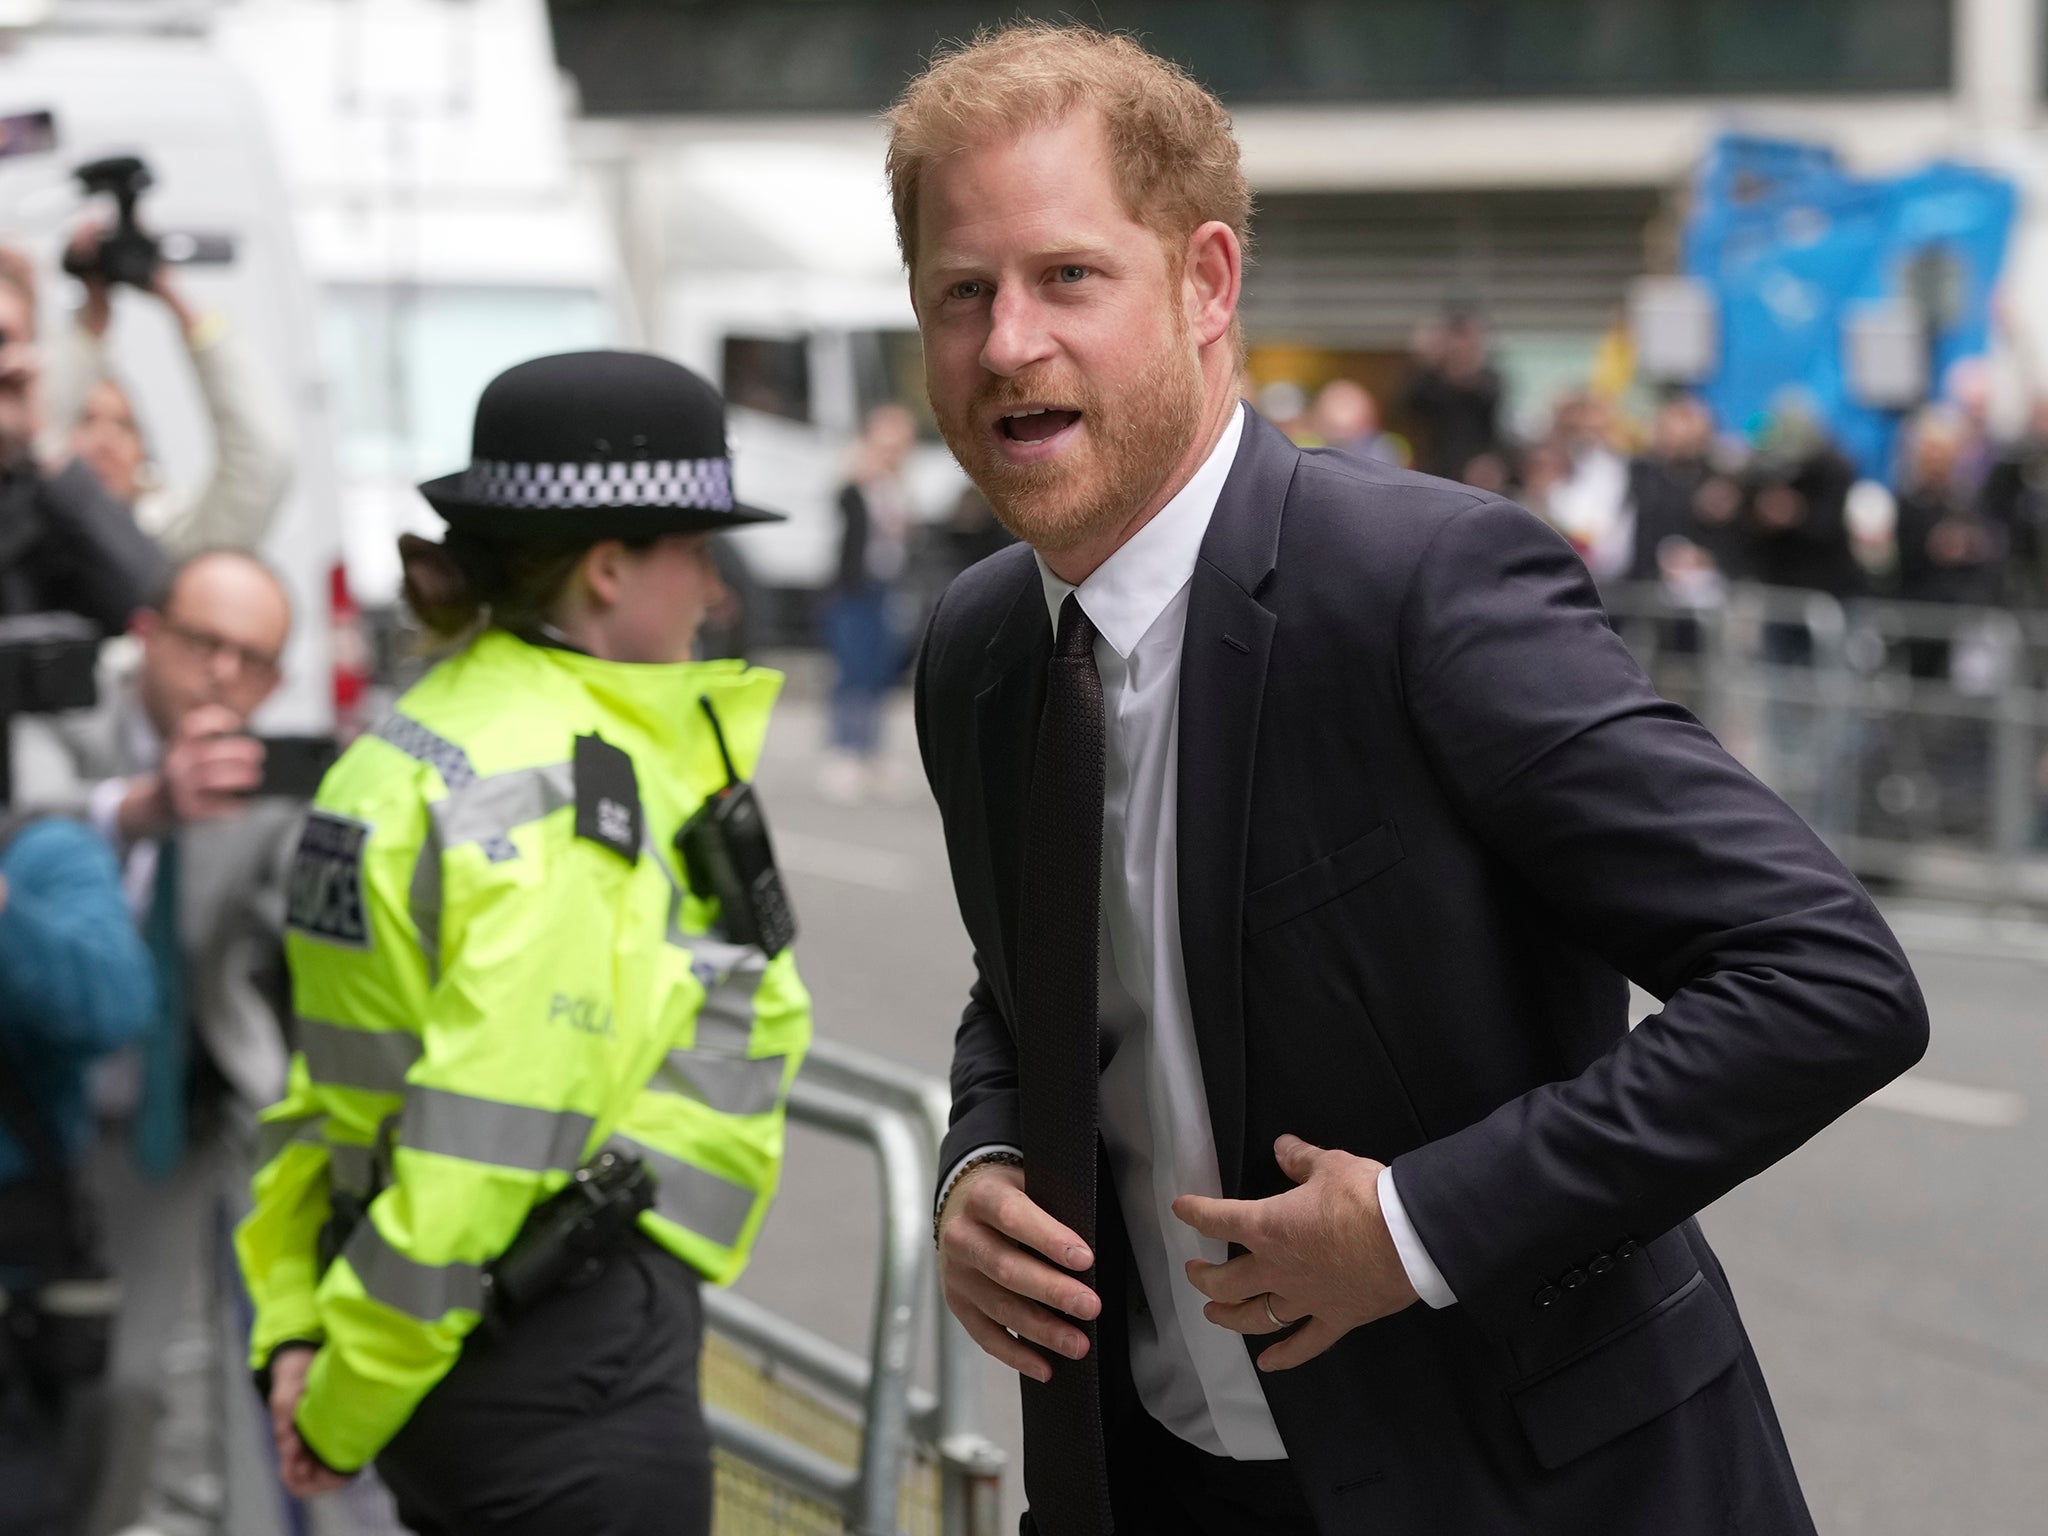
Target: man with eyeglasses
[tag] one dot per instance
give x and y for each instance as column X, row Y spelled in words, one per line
column 165, row 771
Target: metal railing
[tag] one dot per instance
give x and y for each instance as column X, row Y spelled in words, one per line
column 1910, row 735
column 901, row 1116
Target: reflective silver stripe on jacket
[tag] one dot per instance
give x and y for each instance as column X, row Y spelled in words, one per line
column 490, row 1131
column 445, row 758
column 732, row 1085
column 424, row 1291
column 675, row 934
column 730, row 975
column 375, row 1060
column 693, row 1197
column 423, row 899
column 352, row 1169
column 273, row 1136
column 487, row 810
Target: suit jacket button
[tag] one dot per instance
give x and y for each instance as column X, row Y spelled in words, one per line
column 1628, row 1250
column 1572, row 1279
column 1600, row 1264
column 1547, row 1296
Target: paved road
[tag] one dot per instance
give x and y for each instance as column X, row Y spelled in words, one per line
column 1894, row 1272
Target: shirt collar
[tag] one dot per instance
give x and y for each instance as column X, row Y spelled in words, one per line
column 1125, row 595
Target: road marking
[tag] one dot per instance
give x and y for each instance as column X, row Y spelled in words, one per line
column 1958, row 1103
column 878, row 869
column 1970, row 935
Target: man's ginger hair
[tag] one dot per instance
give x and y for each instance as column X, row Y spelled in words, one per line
column 1170, row 145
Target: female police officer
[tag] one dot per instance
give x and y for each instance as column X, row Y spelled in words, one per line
column 506, row 982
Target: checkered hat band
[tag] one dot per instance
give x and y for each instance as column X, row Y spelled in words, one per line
column 705, row 483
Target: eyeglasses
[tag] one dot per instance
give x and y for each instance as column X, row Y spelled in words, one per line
column 209, row 648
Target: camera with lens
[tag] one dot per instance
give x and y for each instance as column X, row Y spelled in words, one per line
column 125, row 253
column 46, row 664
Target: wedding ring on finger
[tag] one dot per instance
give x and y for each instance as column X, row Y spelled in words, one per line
column 1270, row 1313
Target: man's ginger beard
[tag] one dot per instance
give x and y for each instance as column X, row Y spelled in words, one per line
column 1133, row 440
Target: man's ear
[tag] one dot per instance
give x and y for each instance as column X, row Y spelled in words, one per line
column 1211, row 279
column 143, row 624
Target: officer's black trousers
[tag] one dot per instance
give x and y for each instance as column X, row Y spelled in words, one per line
column 581, row 1417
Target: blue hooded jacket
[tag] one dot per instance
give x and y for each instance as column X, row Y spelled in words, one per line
column 75, row 977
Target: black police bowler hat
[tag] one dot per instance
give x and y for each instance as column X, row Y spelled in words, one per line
column 605, row 444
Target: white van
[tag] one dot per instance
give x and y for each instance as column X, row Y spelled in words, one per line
column 148, row 82
column 772, row 270
column 448, row 235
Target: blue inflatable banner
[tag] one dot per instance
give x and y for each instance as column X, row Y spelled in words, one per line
column 1792, row 245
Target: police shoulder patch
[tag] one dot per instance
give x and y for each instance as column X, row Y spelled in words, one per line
column 325, row 900
column 608, row 809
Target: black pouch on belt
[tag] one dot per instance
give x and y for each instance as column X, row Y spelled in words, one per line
column 568, row 1236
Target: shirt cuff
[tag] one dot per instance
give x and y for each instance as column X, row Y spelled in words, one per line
column 103, row 811
column 206, row 331
column 953, row 1177
column 1423, row 1274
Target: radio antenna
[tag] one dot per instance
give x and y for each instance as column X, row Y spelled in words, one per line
column 732, row 774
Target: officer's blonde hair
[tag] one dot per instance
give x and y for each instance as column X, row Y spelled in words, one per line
column 1170, row 145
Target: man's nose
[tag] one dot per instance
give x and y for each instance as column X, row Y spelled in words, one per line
column 226, row 665
column 1017, row 333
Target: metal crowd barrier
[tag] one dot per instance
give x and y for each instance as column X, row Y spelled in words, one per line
column 1910, row 735
column 848, row 1443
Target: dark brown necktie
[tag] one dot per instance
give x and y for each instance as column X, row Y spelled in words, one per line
column 1058, row 1058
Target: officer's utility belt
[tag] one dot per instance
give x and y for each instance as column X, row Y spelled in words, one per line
column 565, row 1242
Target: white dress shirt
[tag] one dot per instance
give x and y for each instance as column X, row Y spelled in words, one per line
column 1192, row 1375
column 103, row 812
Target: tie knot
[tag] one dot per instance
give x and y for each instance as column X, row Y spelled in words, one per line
column 1077, row 632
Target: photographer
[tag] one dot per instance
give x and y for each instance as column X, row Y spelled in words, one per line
column 64, row 542
column 251, row 449
column 74, row 983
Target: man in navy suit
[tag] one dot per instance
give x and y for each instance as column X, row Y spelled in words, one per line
column 1303, row 1162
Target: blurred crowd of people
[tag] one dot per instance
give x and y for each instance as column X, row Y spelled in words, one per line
column 1656, row 490
column 142, row 993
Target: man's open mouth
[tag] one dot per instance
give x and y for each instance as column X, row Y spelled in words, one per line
column 1035, row 424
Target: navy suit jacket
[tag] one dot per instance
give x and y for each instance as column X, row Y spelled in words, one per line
column 1432, row 817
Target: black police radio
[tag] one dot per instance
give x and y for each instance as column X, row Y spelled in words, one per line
column 727, row 855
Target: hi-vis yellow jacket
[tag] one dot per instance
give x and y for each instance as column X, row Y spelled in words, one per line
column 498, row 970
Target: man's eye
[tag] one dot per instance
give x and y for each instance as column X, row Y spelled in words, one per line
column 1072, row 274
column 970, row 289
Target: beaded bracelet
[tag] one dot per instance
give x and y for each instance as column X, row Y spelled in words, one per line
column 1002, row 1157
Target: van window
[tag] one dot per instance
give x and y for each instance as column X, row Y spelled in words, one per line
column 770, row 374
column 888, row 369
column 408, row 363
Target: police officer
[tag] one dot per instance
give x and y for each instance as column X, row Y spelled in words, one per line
column 517, row 1016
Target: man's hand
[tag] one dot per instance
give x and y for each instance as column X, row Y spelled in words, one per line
column 173, row 299
column 1003, row 1292
column 209, row 767
column 1321, row 1252
column 298, row 1468
column 97, row 313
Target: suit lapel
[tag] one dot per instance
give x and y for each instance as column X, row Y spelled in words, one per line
column 1222, row 683
column 1007, row 708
